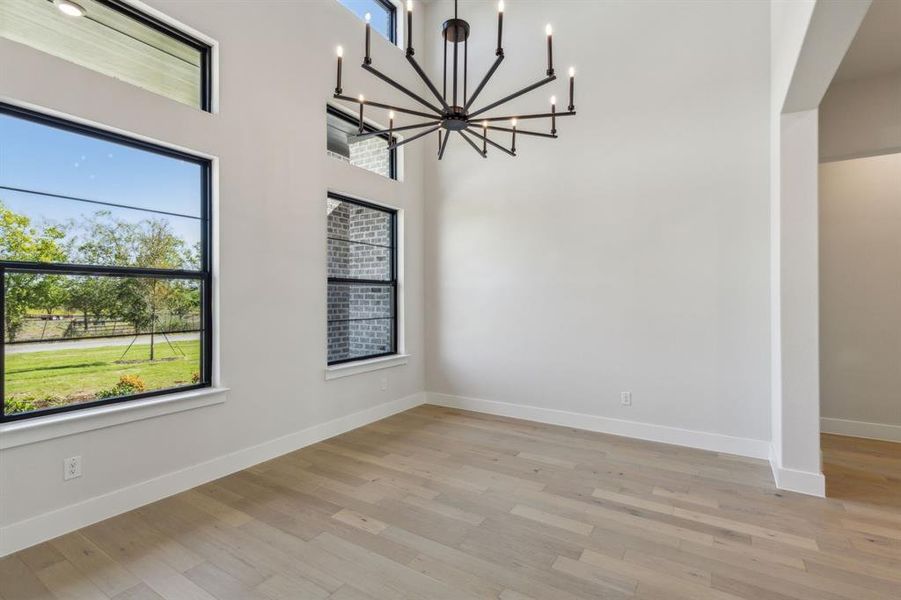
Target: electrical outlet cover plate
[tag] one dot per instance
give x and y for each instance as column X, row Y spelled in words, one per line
column 626, row 398
column 72, row 467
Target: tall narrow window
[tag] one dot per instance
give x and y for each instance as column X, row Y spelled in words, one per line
column 370, row 153
column 362, row 280
column 115, row 39
column 104, row 264
column 383, row 13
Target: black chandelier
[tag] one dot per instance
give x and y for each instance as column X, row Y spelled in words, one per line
column 449, row 115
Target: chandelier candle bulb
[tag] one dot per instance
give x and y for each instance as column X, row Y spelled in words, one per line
column 390, row 127
column 409, row 31
column 550, row 49
column 553, row 115
column 340, row 60
column 368, row 59
column 572, row 85
column 500, row 26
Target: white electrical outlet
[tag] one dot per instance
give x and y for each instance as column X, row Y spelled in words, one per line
column 384, row 384
column 72, row 467
column 625, row 398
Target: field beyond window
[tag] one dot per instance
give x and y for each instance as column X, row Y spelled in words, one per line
column 103, row 265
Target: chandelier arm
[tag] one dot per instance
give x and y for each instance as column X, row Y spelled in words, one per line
column 401, row 88
column 521, row 132
column 571, row 113
column 426, row 80
column 385, row 106
column 525, row 90
column 488, row 75
column 490, row 141
column 471, row 143
column 370, row 134
column 443, row 146
column 396, row 145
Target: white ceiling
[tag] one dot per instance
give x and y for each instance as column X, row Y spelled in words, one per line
column 876, row 50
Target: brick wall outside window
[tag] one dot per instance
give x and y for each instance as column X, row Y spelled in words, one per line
column 357, row 236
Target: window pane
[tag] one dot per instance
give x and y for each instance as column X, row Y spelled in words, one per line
column 111, row 42
column 350, row 260
column 350, row 221
column 123, row 206
column 369, row 153
column 349, row 340
column 381, row 15
column 361, row 316
column 354, row 301
column 72, row 339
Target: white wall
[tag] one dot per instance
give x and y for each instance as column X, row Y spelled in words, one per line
column 860, row 295
column 276, row 74
column 861, row 117
column 799, row 293
column 633, row 252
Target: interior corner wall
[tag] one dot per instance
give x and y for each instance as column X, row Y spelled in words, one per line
column 273, row 173
column 860, row 296
column 632, row 253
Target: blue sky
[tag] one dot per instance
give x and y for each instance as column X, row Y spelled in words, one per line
column 46, row 159
column 379, row 15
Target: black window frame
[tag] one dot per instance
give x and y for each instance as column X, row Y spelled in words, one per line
column 392, row 283
column 204, row 275
column 391, row 9
column 392, row 154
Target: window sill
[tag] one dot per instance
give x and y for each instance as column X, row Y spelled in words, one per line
column 39, row 429
column 364, row 366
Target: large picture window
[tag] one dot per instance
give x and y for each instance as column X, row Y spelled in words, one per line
column 105, row 267
column 113, row 38
column 362, row 280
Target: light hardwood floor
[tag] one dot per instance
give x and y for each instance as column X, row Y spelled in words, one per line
column 443, row 504
column 862, row 470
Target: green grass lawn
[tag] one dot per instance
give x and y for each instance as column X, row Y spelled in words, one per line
column 77, row 375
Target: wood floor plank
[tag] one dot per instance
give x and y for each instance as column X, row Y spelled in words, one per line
column 85, row 556
column 436, row 503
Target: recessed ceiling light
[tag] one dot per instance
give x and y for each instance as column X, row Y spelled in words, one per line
column 69, row 8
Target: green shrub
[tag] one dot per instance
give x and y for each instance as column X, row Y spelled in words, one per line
column 127, row 385
column 18, row 404
column 27, row 403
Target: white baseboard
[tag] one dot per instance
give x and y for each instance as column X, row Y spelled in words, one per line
column 791, row 480
column 40, row 528
column 861, row 429
column 634, row 429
